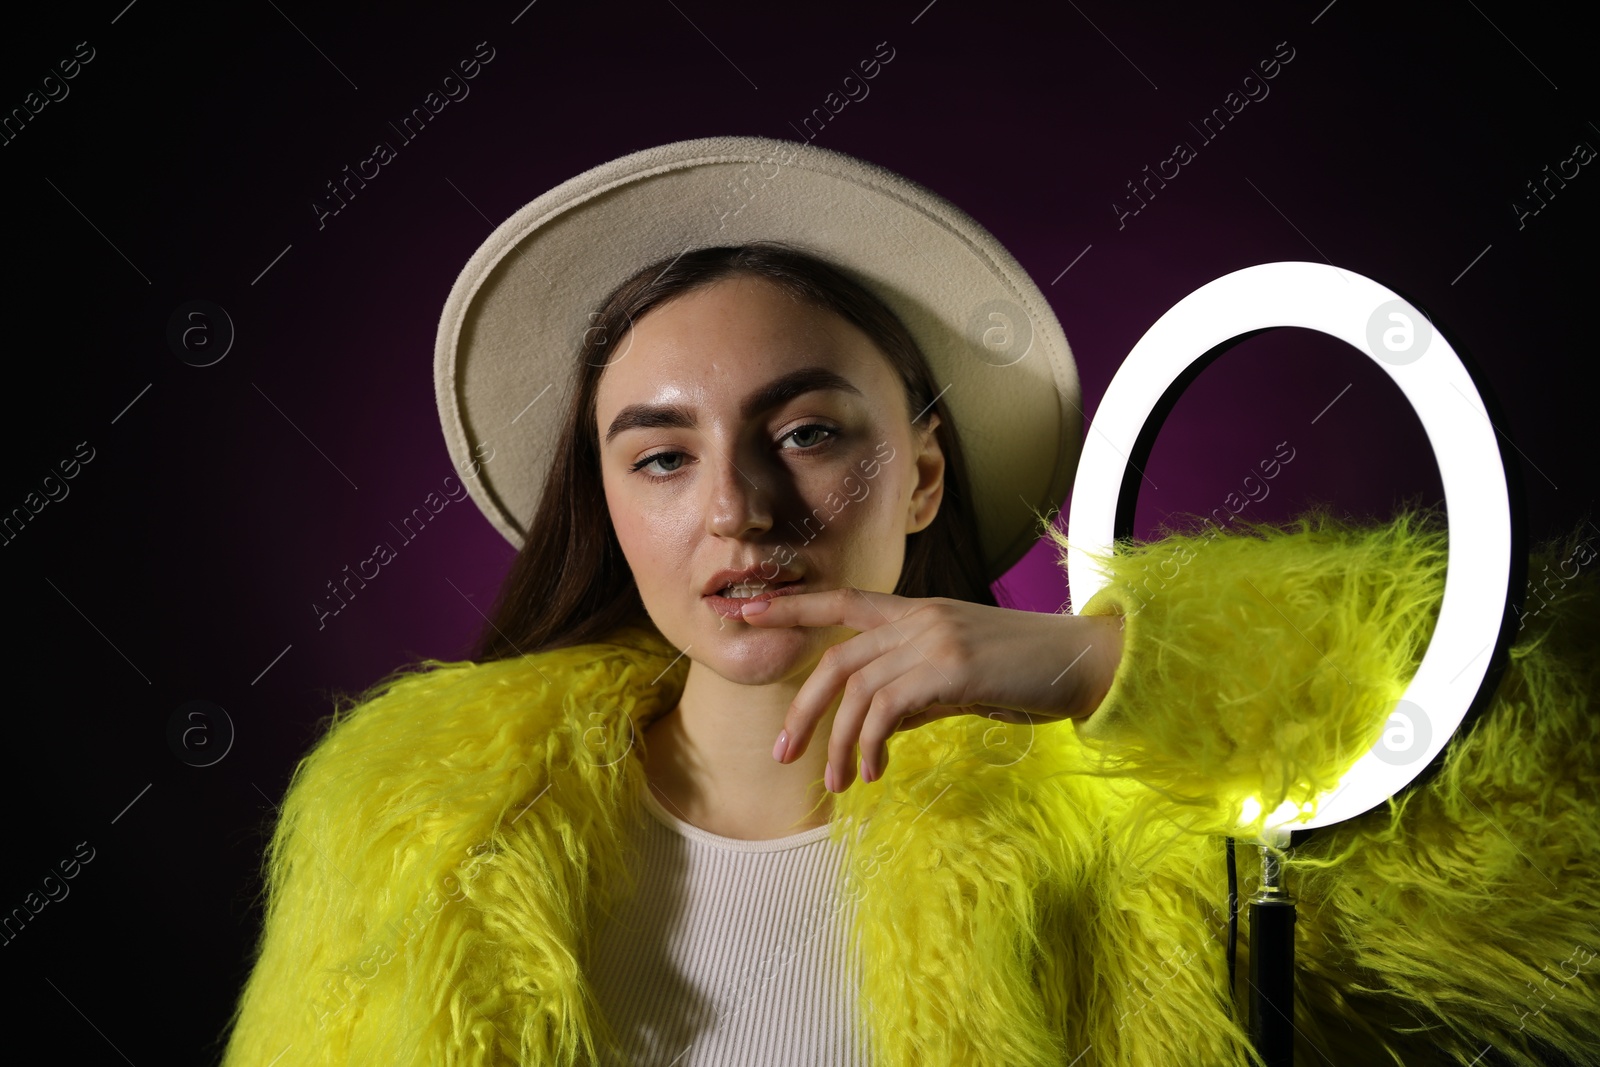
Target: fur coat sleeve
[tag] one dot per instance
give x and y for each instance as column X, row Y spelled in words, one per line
column 1026, row 895
column 1454, row 925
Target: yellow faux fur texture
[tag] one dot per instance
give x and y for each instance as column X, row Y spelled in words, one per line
column 1245, row 714
column 1456, row 924
column 432, row 868
column 1027, row 895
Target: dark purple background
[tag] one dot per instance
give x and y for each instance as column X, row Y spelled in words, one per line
column 186, row 558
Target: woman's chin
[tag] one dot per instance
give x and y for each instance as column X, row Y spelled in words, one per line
column 747, row 655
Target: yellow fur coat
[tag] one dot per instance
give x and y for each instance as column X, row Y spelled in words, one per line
column 1027, row 895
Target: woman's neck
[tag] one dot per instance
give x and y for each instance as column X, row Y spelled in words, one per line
column 710, row 761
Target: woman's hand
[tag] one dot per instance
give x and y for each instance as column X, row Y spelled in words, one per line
column 917, row 660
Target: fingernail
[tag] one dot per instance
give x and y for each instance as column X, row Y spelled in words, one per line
column 866, row 772
column 827, row 779
column 781, row 749
column 753, row 608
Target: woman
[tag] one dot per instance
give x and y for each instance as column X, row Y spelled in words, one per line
column 756, row 556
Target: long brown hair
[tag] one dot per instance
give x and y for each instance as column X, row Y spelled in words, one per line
column 570, row 583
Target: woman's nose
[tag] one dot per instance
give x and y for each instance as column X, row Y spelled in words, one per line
column 740, row 503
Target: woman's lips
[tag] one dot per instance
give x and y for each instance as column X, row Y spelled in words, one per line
column 729, row 606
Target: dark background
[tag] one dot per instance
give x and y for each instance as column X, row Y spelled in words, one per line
column 219, row 501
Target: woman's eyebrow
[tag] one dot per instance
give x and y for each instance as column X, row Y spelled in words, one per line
column 775, row 392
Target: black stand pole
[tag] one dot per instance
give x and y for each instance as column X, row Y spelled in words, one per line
column 1272, row 964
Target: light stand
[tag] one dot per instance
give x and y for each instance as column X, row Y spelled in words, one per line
column 1272, row 919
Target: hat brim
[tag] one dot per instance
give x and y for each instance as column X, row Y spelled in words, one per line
column 509, row 337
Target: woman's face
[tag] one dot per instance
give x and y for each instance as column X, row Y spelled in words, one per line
column 742, row 428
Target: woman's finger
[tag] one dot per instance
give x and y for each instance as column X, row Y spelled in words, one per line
column 858, row 609
column 828, row 678
column 874, row 701
column 906, row 703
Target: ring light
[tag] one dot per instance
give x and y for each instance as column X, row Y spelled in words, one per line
column 1400, row 339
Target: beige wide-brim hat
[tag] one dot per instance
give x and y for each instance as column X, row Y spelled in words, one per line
column 506, row 354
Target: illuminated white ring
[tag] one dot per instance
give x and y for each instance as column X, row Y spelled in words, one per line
column 1441, row 391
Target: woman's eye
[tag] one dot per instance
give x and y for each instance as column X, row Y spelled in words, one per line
column 659, row 456
column 814, row 430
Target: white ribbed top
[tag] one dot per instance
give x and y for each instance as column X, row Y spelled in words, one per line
column 731, row 952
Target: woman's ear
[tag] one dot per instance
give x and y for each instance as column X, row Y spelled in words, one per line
column 929, row 489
